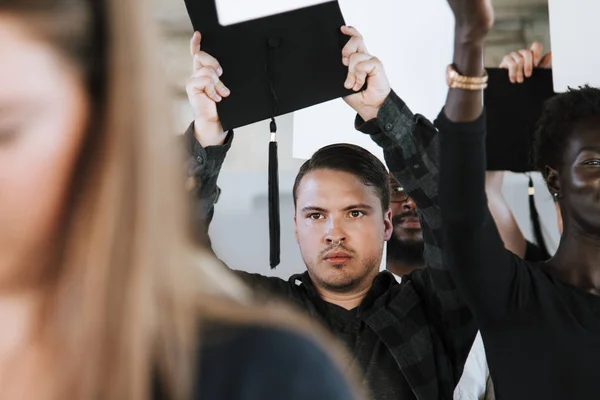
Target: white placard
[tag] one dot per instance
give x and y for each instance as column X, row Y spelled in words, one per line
column 235, row 11
column 414, row 40
column 574, row 33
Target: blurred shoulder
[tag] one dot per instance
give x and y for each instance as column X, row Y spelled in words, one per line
column 264, row 361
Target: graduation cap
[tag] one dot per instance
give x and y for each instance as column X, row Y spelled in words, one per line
column 274, row 65
column 512, row 111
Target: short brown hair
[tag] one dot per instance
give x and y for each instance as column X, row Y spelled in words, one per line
column 354, row 160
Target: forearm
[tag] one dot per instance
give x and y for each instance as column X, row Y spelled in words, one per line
column 462, row 172
column 503, row 217
column 466, row 105
column 204, row 166
column 482, row 268
column 463, row 162
column 411, row 150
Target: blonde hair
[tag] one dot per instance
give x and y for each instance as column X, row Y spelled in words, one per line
column 131, row 286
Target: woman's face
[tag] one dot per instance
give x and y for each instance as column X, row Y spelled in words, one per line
column 43, row 118
column 580, row 177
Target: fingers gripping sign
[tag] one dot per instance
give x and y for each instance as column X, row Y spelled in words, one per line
column 204, row 89
column 207, row 67
column 537, row 51
column 363, row 68
column 520, row 63
column 354, row 46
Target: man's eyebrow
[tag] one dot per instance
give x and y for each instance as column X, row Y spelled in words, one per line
column 360, row 205
column 347, row 208
column 314, row 208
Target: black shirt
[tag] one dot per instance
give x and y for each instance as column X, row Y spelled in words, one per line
column 534, row 253
column 253, row 363
column 380, row 371
column 541, row 335
column 355, row 328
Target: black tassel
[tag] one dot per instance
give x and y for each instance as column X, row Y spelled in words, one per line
column 274, row 222
column 535, row 222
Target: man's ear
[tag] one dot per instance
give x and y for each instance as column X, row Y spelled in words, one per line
column 552, row 180
column 387, row 222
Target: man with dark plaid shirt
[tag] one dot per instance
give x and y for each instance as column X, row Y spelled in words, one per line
column 410, row 339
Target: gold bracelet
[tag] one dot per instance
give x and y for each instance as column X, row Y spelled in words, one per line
column 458, row 81
column 468, row 86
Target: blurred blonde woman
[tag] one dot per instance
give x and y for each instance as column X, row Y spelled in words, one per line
column 102, row 293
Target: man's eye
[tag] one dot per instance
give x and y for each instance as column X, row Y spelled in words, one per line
column 315, row 216
column 594, row 162
column 356, row 214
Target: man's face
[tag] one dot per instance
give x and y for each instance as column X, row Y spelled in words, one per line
column 406, row 243
column 407, row 227
column 341, row 229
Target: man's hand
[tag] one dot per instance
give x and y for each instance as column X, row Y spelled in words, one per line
column 520, row 63
column 473, row 19
column 363, row 67
column 204, row 90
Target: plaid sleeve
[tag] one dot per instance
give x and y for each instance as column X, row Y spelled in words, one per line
column 411, row 147
column 203, row 167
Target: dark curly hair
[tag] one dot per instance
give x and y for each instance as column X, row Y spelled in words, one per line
column 555, row 126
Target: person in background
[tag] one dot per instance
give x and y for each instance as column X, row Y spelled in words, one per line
column 102, row 293
column 405, row 246
column 539, row 321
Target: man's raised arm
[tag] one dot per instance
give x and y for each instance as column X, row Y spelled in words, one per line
column 205, row 141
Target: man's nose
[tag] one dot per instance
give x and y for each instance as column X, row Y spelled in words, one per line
column 335, row 232
column 409, row 205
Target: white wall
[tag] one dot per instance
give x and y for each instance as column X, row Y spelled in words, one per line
column 574, row 31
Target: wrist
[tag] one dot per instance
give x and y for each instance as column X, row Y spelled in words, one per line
column 368, row 112
column 470, row 36
column 468, row 57
column 209, row 133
